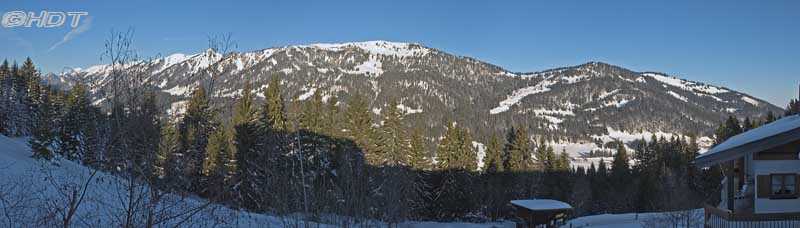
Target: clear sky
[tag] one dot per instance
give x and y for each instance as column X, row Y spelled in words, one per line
column 750, row 46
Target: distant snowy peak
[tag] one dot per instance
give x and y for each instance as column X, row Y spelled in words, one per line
column 378, row 47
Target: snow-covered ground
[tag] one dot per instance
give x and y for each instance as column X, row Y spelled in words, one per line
column 637, row 220
column 34, row 193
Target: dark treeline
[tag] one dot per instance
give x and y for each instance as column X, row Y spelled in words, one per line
column 322, row 156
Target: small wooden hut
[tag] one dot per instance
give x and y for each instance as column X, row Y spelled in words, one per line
column 541, row 212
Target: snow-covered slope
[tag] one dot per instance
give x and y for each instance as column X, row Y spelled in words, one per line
column 34, row 193
column 34, row 189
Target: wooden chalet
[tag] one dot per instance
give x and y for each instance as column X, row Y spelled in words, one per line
column 761, row 173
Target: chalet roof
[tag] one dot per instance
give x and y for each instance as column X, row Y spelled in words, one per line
column 779, row 132
column 541, row 204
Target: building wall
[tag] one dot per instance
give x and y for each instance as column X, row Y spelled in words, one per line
column 766, row 167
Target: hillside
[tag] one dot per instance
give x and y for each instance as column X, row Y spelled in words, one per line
column 575, row 108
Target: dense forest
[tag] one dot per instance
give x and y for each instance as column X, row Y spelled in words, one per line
column 278, row 156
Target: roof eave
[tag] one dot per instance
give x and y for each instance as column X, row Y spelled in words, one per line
column 755, row 146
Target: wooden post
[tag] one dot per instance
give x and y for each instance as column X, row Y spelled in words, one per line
column 729, row 184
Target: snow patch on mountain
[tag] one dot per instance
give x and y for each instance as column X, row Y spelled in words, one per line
column 171, row 60
column 378, row 47
column 309, row 92
column 518, row 94
column 180, row 90
column 752, row 101
column 370, row 67
column 543, row 111
column 177, row 108
column 686, row 85
column 678, row 96
column 481, row 153
column 408, row 110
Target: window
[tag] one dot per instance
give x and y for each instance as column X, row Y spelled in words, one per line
column 783, row 185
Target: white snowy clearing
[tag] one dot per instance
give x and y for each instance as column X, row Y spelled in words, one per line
column 518, row 94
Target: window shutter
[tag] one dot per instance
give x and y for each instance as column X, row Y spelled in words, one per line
column 797, row 185
column 763, row 186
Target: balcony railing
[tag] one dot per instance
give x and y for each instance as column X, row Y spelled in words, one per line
column 717, row 217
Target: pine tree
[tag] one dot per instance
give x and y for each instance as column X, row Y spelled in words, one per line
column 456, row 159
column 332, row 117
column 563, row 163
column 747, row 124
column 358, row 124
column 247, row 142
column 793, row 108
column 78, row 115
column 770, row 118
column 194, row 131
column 273, row 114
column 311, row 118
column 518, row 150
column 168, row 145
column 216, row 165
column 728, row 129
column 418, row 154
column 620, row 166
column 546, row 157
column 494, row 155
column 393, row 146
column 456, row 151
column 5, row 98
column 43, row 136
column 150, row 133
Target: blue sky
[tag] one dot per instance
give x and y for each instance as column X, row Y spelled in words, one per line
column 751, row 46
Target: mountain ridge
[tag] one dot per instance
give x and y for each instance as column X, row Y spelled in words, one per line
column 581, row 104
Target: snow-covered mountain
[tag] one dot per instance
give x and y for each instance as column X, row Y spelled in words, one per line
column 576, row 107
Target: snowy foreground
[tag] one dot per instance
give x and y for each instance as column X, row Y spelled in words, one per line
column 38, row 193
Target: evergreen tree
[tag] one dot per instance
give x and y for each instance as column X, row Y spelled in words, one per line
column 620, row 167
column 247, row 143
column 455, row 151
column 563, row 163
column 456, row 158
column 393, row 146
column 359, row 125
column 273, row 114
column 216, row 165
column 194, row 130
column 5, row 98
column 77, row 116
column 518, row 150
column 793, row 108
column 770, row 118
column 418, row 154
column 728, row 129
column 167, row 147
column 494, row 156
column 311, row 118
column 546, row 158
column 43, row 136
